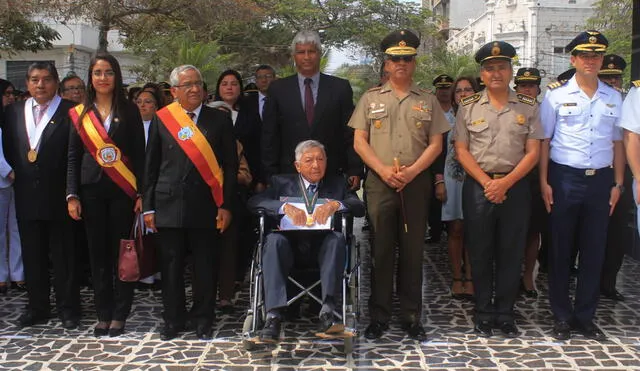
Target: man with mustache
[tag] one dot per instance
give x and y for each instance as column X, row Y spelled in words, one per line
column 581, row 174
column 497, row 139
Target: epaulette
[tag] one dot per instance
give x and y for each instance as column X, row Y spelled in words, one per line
column 375, row 88
column 470, row 99
column 526, row 99
column 621, row 91
column 636, row 83
column 555, row 85
column 425, row 91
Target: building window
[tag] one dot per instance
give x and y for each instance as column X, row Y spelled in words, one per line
column 17, row 70
column 558, row 50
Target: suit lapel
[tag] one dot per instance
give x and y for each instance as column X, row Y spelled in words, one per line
column 115, row 123
column 323, row 97
column 53, row 124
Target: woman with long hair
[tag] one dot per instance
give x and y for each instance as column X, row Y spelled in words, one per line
column 463, row 86
column 237, row 239
column 105, row 163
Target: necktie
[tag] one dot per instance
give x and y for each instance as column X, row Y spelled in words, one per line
column 308, row 100
column 40, row 110
column 191, row 115
column 262, row 101
column 311, row 189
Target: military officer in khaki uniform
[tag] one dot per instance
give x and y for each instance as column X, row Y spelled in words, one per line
column 398, row 134
column 497, row 139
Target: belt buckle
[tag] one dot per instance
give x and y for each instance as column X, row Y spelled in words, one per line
column 590, row 172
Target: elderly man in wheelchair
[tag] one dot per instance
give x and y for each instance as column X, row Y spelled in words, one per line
column 305, row 204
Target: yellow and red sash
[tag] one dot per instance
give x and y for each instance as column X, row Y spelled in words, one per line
column 195, row 146
column 104, row 150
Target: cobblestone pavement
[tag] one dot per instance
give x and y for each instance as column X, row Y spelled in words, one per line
column 451, row 343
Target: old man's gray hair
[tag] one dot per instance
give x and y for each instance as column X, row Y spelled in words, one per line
column 306, row 37
column 303, row 147
column 174, row 77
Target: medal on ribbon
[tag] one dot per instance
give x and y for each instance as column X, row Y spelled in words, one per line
column 309, row 201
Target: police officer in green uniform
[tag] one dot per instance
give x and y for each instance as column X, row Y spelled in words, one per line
column 497, row 139
column 398, row 134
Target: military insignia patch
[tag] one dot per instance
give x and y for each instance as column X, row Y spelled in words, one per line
column 470, row 99
column 419, row 124
column 520, row 119
column 555, row 85
column 636, row 83
column 526, row 99
column 478, row 122
column 377, row 124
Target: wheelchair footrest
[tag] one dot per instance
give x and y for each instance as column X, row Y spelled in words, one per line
column 340, row 335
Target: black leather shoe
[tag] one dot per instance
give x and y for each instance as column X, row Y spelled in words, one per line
column 509, row 330
column 375, row 330
column 204, row 332
column 100, row 331
column 30, row 319
column 528, row 293
column 270, row 333
column 590, row 331
column 329, row 324
column 4, row 289
column 116, row 331
column 561, row 330
column 614, row 295
column 484, row 329
column 415, row 331
column 70, row 323
column 169, row 332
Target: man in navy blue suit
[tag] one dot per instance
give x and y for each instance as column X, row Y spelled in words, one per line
column 323, row 196
column 309, row 105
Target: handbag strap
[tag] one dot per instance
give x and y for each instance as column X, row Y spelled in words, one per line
column 135, row 227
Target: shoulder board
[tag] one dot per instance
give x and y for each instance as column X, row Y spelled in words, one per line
column 375, row 88
column 636, row 83
column 618, row 89
column 526, row 99
column 470, row 99
column 555, row 85
column 425, row 91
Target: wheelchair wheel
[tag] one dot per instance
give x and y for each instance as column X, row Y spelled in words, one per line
column 247, row 331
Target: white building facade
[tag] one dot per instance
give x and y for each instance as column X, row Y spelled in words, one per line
column 538, row 29
column 71, row 53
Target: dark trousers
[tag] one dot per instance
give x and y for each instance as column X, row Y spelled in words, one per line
column 108, row 216
column 204, row 245
column 386, row 215
column 278, row 257
column 227, row 265
column 495, row 236
column 580, row 202
column 619, row 235
column 435, row 218
column 41, row 239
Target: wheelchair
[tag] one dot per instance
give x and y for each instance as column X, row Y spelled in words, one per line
column 349, row 310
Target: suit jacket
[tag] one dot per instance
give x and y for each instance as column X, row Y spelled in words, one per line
column 332, row 187
column 285, row 125
column 126, row 131
column 247, row 130
column 39, row 186
column 174, row 188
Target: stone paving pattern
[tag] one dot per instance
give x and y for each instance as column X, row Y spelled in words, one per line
column 451, row 344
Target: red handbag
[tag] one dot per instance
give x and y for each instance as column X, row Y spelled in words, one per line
column 129, row 259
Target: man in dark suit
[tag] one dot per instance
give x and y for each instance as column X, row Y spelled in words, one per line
column 185, row 201
column 309, row 105
column 278, row 254
column 36, row 135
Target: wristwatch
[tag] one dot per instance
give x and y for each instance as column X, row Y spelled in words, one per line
column 619, row 186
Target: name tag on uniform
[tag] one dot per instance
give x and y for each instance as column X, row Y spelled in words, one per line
column 572, row 104
column 478, row 122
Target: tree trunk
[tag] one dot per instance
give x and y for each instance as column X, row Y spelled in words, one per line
column 102, row 37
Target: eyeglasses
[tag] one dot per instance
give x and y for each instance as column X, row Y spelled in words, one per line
column 464, row 90
column 264, row 76
column 73, row 88
column 107, row 73
column 190, row 85
column 398, row 58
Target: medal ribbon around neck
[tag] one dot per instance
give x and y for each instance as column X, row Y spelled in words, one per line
column 310, row 204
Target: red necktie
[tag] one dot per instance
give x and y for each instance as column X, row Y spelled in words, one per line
column 308, row 100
